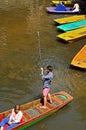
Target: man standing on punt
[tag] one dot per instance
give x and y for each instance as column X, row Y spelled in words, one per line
column 46, row 78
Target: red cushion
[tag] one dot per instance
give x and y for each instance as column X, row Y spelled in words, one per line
column 1, row 117
column 5, row 127
column 22, row 120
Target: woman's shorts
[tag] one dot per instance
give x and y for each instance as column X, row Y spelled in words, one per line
column 46, row 91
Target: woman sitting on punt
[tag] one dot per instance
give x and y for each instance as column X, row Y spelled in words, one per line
column 13, row 119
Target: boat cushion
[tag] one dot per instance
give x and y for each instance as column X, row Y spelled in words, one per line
column 60, row 7
column 1, row 117
column 22, row 120
column 5, row 127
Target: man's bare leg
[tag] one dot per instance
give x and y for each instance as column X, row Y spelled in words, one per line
column 45, row 101
column 49, row 96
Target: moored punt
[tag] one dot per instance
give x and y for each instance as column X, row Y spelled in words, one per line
column 80, row 59
column 70, row 19
column 59, row 1
column 53, row 10
column 72, row 26
column 32, row 112
column 74, row 35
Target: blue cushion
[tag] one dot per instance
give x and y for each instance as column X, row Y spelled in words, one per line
column 60, row 7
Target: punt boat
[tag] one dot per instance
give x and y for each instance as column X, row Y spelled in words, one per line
column 53, row 10
column 69, row 19
column 72, row 26
column 73, row 35
column 66, row 2
column 32, row 111
column 80, row 58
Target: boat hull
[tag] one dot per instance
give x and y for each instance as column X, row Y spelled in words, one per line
column 32, row 112
column 69, row 19
column 73, row 35
column 52, row 10
column 80, row 59
column 72, row 26
column 66, row 2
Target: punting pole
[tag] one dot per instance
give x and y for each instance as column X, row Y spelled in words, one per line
column 39, row 47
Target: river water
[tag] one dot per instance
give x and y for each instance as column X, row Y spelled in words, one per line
column 20, row 82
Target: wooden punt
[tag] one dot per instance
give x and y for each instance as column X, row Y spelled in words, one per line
column 69, row 19
column 66, row 2
column 80, row 59
column 72, row 26
column 73, row 35
column 54, row 11
column 32, row 113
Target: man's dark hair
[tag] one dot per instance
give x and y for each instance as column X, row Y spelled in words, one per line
column 50, row 68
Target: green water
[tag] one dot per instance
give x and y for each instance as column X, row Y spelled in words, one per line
column 20, row 82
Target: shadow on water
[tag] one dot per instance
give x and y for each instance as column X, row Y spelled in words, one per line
column 20, row 80
column 77, row 68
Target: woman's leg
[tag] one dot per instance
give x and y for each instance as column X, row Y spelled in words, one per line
column 11, row 126
column 3, row 122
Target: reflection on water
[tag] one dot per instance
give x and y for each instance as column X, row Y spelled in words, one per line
column 20, row 21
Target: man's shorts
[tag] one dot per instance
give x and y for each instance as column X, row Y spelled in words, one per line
column 46, row 91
